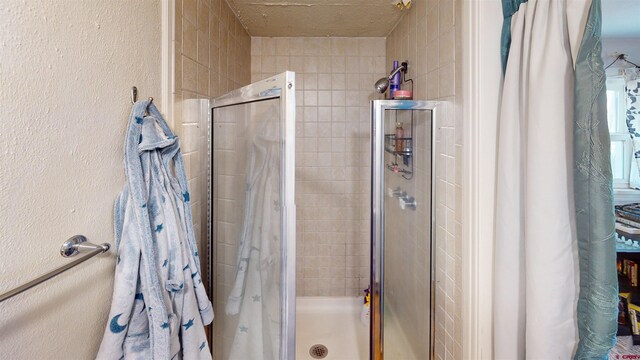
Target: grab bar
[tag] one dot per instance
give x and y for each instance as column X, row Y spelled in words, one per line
column 76, row 244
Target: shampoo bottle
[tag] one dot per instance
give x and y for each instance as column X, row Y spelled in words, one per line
column 394, row 83
column 399, row 137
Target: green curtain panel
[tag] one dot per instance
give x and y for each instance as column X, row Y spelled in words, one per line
column 509, row 7
column 595, row 220
column 592, row 177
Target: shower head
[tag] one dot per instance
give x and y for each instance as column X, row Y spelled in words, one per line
column 382, row 84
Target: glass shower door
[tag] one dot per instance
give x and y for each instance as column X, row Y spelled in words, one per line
column 402, row 229
column 253, row 221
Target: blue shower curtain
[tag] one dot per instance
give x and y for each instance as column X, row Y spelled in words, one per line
column 589, row 200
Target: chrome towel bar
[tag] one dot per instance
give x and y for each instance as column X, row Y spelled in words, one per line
column 73, row 246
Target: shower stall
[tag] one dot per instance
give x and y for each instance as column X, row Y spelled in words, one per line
column 403, row 201
column 252, row 234
column 253, row 221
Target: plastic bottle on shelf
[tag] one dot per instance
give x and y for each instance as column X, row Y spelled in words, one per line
column 395, row 81
column 399, row 135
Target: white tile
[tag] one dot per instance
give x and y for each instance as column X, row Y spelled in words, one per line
column 324, row 98
column 310, row 98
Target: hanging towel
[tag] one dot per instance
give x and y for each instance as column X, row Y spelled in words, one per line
column 159, row 305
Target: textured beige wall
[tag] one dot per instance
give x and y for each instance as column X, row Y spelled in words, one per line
column 66, row 68
column 429, row 36
column 334, row 78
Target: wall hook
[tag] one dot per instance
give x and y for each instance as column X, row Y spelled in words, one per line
column 134, row 98
column 134, row 94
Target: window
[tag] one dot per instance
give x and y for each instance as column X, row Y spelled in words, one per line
column 621, row 144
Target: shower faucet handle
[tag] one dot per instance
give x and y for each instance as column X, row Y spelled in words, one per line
column 407, row 202
column 397, row 192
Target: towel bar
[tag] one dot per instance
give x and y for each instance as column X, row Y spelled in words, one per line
column 74, row 245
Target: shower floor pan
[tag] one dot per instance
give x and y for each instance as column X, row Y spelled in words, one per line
column 333, row 322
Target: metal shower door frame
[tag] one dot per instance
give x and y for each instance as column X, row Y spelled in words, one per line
column 281, row 86
column 378, row 108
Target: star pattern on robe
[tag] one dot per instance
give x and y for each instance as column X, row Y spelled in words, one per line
column 165, row 325
column 188, row 324
column 244, row 329
column 159, row 228
column 202, row 345
column 255, row 298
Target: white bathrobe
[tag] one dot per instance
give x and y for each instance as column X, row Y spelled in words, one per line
column 256, row 292
column 159, row 305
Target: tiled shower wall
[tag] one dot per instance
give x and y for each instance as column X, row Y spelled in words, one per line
column 429, row 37
column 214, row 54
column 334, row 79
column 212, row 57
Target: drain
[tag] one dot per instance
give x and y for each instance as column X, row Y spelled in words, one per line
column 318, row 351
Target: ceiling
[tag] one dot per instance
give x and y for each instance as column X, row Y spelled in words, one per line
column 621, row 18
column 351, row 18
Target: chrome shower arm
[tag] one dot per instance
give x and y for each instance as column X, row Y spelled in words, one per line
column 398, row 69
column 383, row 83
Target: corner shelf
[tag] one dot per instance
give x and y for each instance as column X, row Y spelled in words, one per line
column 390, row 145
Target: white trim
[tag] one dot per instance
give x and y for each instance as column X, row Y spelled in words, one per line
column 616, row 87
column 625, row 196
column 481, row 26
column 168, row 61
